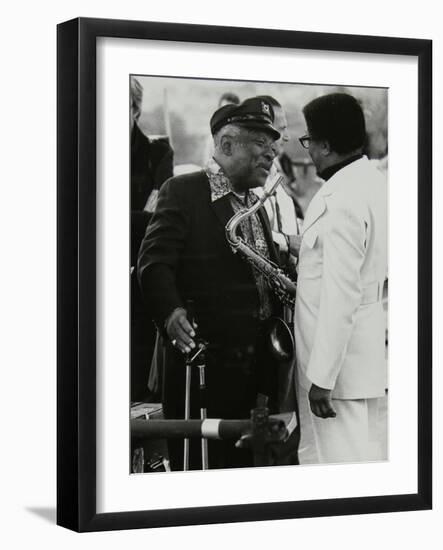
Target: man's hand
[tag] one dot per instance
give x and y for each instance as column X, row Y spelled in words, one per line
column 321, row 403
column 180, row 330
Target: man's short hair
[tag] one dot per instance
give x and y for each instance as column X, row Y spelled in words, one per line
column 136, row 95
column 231, row 130
column 337, row 118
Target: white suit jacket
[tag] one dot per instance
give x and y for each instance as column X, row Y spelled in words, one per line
column 339, row 323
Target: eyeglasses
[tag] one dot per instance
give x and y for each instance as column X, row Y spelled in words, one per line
column 305, row 141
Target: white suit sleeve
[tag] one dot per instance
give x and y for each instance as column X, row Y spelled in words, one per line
column 343, row 254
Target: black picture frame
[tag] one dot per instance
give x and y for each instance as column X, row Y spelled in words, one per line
column 76, row 292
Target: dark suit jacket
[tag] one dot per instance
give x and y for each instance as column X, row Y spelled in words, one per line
column 185, row 256
column 151, row 166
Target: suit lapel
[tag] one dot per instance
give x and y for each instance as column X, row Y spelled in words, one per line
column 338, row 181
column 315, row 210
column 223, row 210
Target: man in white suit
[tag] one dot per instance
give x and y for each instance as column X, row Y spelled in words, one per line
column 339, row 325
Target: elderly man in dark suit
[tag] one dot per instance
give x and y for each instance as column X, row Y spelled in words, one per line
column 185, row 256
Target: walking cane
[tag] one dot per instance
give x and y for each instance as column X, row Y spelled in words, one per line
column 198, row 354
column 189, row 360
column 203, row 409
column 187, row 411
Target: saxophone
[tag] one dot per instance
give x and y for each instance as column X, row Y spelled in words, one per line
column 281, row 338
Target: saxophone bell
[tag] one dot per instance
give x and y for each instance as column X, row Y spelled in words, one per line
column 280, row 340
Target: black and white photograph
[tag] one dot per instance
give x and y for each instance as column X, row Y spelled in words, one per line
column 220, row 281
column 244, row 254
column 258, row 274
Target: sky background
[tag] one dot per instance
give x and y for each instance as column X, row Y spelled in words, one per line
column 186, row 106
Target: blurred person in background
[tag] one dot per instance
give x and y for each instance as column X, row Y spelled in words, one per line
column 228, row 98
column 304, row 187
column 151, row 165
column 185, row 256
column 281, row 207
column 339, row 323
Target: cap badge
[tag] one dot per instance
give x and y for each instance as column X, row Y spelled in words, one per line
column 265, row 108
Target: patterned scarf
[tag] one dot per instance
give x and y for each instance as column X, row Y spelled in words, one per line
column 251, row 227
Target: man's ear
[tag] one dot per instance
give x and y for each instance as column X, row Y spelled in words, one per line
column 325, row 148
column 226, row 145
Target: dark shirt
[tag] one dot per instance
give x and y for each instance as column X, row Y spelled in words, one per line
column 328, row 172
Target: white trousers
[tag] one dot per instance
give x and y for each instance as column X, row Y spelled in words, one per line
column 354, row 435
